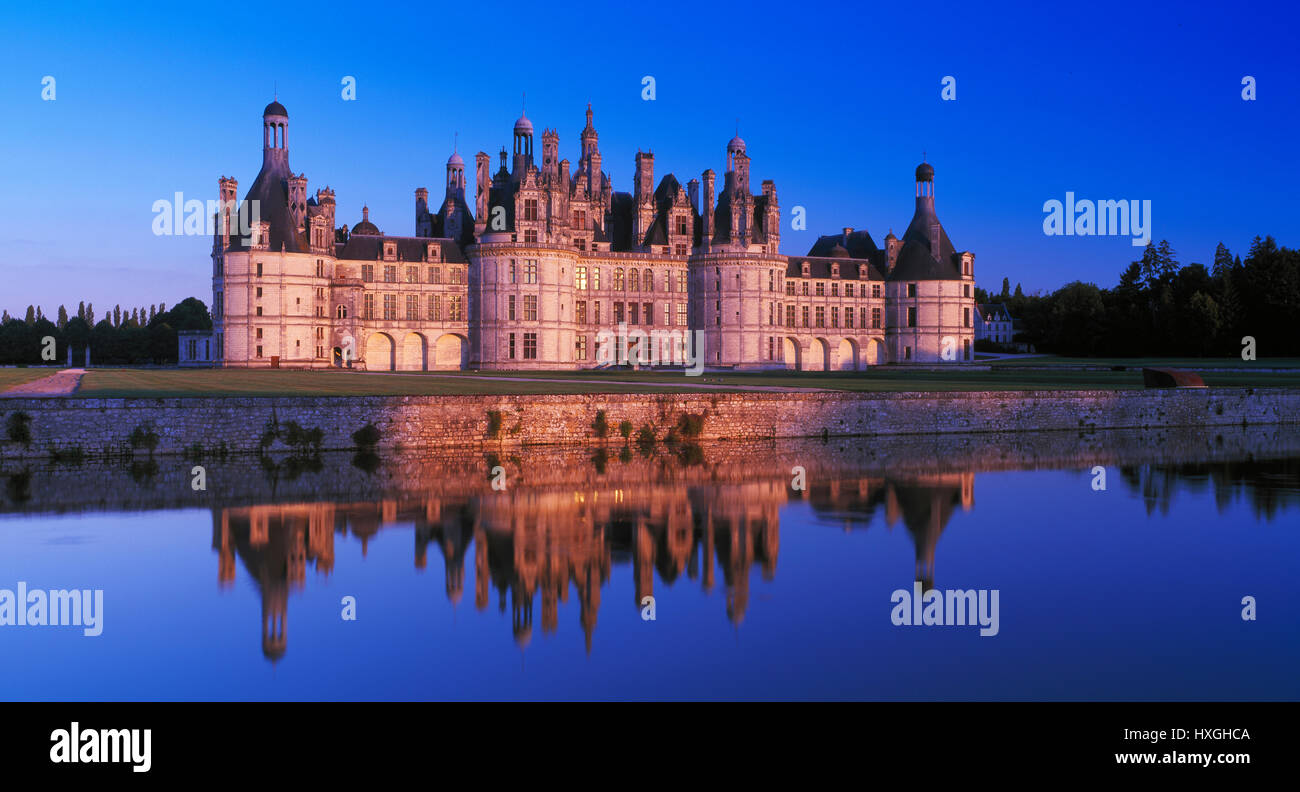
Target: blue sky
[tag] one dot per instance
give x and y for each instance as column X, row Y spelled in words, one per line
column 836, row 102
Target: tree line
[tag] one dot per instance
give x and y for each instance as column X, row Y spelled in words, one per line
column 1163, row 308
column 138, row 337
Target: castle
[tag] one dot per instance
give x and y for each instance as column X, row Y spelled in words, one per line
column 548, row 257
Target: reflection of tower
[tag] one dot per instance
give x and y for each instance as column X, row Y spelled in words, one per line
column 275, row 615
column 275, row 543
column 926, row 505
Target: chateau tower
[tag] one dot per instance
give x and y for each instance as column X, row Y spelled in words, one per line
column 523, row 148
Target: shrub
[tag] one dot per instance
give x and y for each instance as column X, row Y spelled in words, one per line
column 144, row 437
column 18, row 428
column 494, row 423
column 625, row 429
column 690, row 424
column 367, row 437
column 601, row 424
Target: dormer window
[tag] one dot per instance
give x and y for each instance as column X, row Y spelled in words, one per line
column 805, row 269
column 434, row 253
column 390, row 251
column 835, row 270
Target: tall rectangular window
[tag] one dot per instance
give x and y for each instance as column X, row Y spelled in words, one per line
column 530, row 307
column 618, row 313
column 369, row 306
column 413, row 307
column 435, row 275
column 911, row 290
column 530, row 271
column 530, row 346
column 595, row 312
column 805, row 315
column 435, row 308
column 390, row 273
column 595, row 279
column 681, row 281
column 368, row 273
column 789, row 316
column 911, row 317
column 580, row 278
column 580, row 312
column 390, row 306
column 821, row 316
column 875, row 290
column 510, row 346
column 412, row 274
column 510, row 307
column 455, row 308
column 835, row 317
column 681, row 314
column 580, row 348
column 966, row 312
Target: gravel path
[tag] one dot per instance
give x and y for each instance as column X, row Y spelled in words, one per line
column 62, row 383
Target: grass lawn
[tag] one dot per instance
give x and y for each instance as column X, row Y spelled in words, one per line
column 10, row 377
column 236, row 382
column 1188, row 363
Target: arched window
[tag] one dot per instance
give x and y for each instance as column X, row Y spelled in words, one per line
column 342, row 312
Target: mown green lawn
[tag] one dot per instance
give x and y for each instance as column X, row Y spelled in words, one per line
column 234, row 382
column 1188, row 363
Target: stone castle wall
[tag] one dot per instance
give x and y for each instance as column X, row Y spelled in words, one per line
column 99, row 426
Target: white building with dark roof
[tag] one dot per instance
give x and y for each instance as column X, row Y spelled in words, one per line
column 549, row 258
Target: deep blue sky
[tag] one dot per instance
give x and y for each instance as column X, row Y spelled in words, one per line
column 836, row 102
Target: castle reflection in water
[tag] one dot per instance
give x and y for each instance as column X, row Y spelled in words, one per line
column 557, row 543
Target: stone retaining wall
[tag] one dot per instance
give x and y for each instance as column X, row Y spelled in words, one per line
column 96, row 427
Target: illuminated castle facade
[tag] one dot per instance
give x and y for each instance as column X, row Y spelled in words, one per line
column 548, row 256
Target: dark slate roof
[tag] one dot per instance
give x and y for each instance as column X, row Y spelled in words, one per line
column 994, row 312
column 664, row 197
column 915, row 263
column 757, row 226
column 820, row 267
column 502, row 195
column 271, row 190
column 858, row 245
column 621, row 207
column 363, row 247
column 275, row 108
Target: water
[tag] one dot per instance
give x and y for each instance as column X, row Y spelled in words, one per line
column 760, row 591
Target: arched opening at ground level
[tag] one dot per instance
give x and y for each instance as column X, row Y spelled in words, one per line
column 847, row 355
column 380, row 353
column 876, row 352
column 451, row 352
column 790, row 353
column 415, row 353
column 819, row 355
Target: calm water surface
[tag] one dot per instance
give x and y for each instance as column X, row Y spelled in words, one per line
column 760, row 590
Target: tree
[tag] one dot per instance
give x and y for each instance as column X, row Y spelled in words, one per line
column 1222, row 261
column 117, row 315
column 90, row 314
column 1006, row 290
column 31, row 315
column 1019, row 293
column 63, row 317
column 1203, row 322
column 81, row 310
